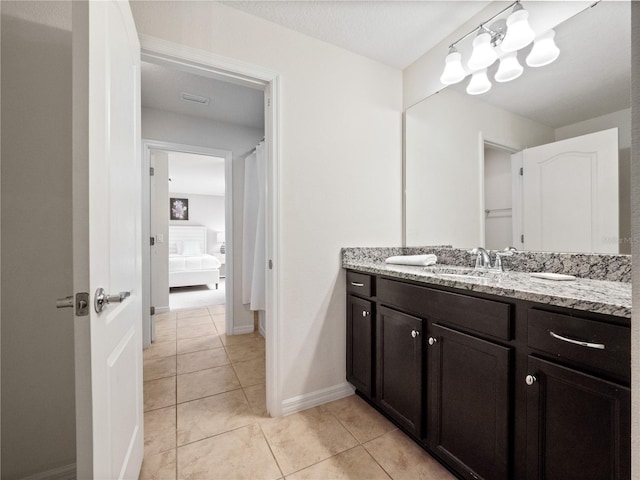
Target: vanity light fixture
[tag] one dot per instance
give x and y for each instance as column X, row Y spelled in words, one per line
column 500, row 40
column 544, row 50
column 453, row 71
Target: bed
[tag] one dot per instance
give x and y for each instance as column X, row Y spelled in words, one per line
column 189, row 264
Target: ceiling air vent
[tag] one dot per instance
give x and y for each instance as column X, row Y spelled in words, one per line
column 190, row 97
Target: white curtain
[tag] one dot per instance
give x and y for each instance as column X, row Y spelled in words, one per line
column 253, row 238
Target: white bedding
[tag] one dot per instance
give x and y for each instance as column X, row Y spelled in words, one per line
column 187, row 263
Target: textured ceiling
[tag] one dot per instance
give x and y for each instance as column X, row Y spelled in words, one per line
column 394, row 32
column 592, row 76
column 231, row 103
column 196, row 174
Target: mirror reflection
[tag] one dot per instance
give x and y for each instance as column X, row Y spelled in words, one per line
column 541, row 162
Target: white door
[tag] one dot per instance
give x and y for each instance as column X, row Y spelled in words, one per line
column 570, row 194
column 107, row 239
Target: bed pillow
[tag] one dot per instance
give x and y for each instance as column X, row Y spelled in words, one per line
column 191, row 248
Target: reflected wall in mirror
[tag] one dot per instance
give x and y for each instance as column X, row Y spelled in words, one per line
column 463, row 153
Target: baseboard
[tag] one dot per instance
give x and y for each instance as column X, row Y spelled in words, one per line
column 162, row 310
column 67, row 472
column 313, row 399
column 242, row 330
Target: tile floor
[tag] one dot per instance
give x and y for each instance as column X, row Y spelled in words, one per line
column 205, row 417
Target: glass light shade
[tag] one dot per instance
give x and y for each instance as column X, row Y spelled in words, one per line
column 509, row 68
column 483, row 53
column 544, row 50
column 519, row 33
column 479, row 83
column 453, row 71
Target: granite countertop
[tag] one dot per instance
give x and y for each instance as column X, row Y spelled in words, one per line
column 599, row 296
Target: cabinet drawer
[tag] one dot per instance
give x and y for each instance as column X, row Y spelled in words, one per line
column 360, row 284
column 469, row 313
column 598, row 345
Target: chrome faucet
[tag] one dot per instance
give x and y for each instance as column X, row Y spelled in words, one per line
column 483, row 260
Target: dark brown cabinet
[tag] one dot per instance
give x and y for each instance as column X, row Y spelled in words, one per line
column 495, row 388
column 577, row 425
column 360, row 344
column 469, row 403
column 399, row 379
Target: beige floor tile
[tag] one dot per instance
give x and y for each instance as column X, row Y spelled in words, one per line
column 193, row 331
column 362, row 420
column 159, row 430
column 302, row 439
column 239, row 455
column 257, row 396
column 159, row 393
column 206, row 382
column 162, row 367
column 165, row 335
column 218, row 317
column 157, row 350
column 161, row 466
column 251, row 372
column 190, row 321
column 352, row 464
column 207, row 342
column 165, row 316
column 192, row 362
column 213, row 415
column 220, row 326
column 403, row 459
column 192, row 312
column 165, row 324
column 239, row 339
column 253, row 348
column 216, row 309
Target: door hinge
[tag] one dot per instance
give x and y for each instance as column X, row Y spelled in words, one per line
column 268, row 102
column 270, row 264
column 152, row 310
column 152, row 171
column 522, row 238
column 521, row 171
column 152, row 241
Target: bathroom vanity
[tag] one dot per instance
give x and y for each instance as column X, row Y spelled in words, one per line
column 499, row 377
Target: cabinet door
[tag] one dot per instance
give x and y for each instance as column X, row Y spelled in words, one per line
column 578, row 426
column 399, row 351
column 360, row 344
column 469, row 403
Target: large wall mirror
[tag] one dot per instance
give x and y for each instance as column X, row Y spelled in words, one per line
column 516, row 165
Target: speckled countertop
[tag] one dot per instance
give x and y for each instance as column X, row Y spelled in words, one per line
column 600, row 296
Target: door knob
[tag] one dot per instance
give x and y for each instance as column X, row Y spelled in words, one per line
column 365, row 313
column 530, row 380
column 102, row 299
column 433, row 340
column 415, row 333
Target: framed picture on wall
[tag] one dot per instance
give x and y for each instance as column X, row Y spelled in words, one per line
column 179, row 208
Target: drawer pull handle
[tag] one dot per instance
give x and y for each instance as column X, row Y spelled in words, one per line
column 599, row 346
column 356, row 284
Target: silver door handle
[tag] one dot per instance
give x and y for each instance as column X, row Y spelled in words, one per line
column 599, row 346
column 102, row 299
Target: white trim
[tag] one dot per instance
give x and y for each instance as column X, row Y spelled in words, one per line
column 147, row 146
column 67, row 472
column 242, row 330
column 313, row 399
column 210, row 64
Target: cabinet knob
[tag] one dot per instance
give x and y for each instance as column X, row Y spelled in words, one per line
column 433, row 340
column 365, row 313
column 530, row 379
column 415, row 333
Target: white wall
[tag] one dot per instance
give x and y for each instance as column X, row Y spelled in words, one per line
column 187, row 130
column 340, row 168
column 622, row 120
column 159, row 187
column 443, row 159
column 207, row 210
column 38, row 391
